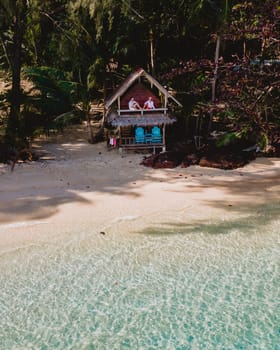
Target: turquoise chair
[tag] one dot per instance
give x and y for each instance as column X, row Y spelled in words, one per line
column 156, row 135
column 139, row 135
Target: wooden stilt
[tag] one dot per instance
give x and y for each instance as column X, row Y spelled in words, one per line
column 163, row 138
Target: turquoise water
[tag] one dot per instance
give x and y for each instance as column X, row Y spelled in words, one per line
column 212, row 285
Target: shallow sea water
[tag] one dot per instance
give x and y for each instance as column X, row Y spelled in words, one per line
column 204, row 285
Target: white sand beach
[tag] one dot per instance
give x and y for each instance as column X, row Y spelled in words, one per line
column 97, row 249
column 78, row 183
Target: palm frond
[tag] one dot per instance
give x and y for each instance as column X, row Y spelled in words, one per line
column 57, row 94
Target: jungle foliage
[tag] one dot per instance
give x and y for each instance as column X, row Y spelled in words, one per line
column 221, row 57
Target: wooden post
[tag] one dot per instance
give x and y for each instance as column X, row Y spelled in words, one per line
column 163, row 138
column 119, row 104
column 165, row 103
column 120, row 141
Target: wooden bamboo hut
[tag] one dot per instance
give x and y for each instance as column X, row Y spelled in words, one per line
column 140, row 85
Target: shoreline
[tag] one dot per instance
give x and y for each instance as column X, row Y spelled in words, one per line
column 89, row 185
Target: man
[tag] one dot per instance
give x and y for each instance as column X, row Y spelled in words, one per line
column 149, row 104
column 133, row 105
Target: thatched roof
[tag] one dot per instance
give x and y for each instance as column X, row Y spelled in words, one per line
column 130, row 80
column 136, row 120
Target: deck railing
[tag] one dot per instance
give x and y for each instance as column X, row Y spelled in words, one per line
column 141, row 111
column 131, row 141
column 127, row 141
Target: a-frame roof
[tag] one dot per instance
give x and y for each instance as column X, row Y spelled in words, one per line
column 130, row 80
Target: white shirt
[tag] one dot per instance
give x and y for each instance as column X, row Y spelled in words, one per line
column 149, row 104
column 132, row 104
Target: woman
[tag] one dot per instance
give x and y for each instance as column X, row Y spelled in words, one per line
column 149, row 104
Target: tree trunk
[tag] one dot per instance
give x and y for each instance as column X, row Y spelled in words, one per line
column 19, row 21
column 215, row 77
column 104, row 100
column 152, row 51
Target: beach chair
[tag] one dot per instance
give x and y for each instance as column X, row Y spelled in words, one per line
column 139, row 135
column 156, row 135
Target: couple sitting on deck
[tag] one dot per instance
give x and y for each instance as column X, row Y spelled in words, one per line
column 134, row 105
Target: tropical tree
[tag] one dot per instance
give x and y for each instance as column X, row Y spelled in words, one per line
column 239, row 89
column 14, row 17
